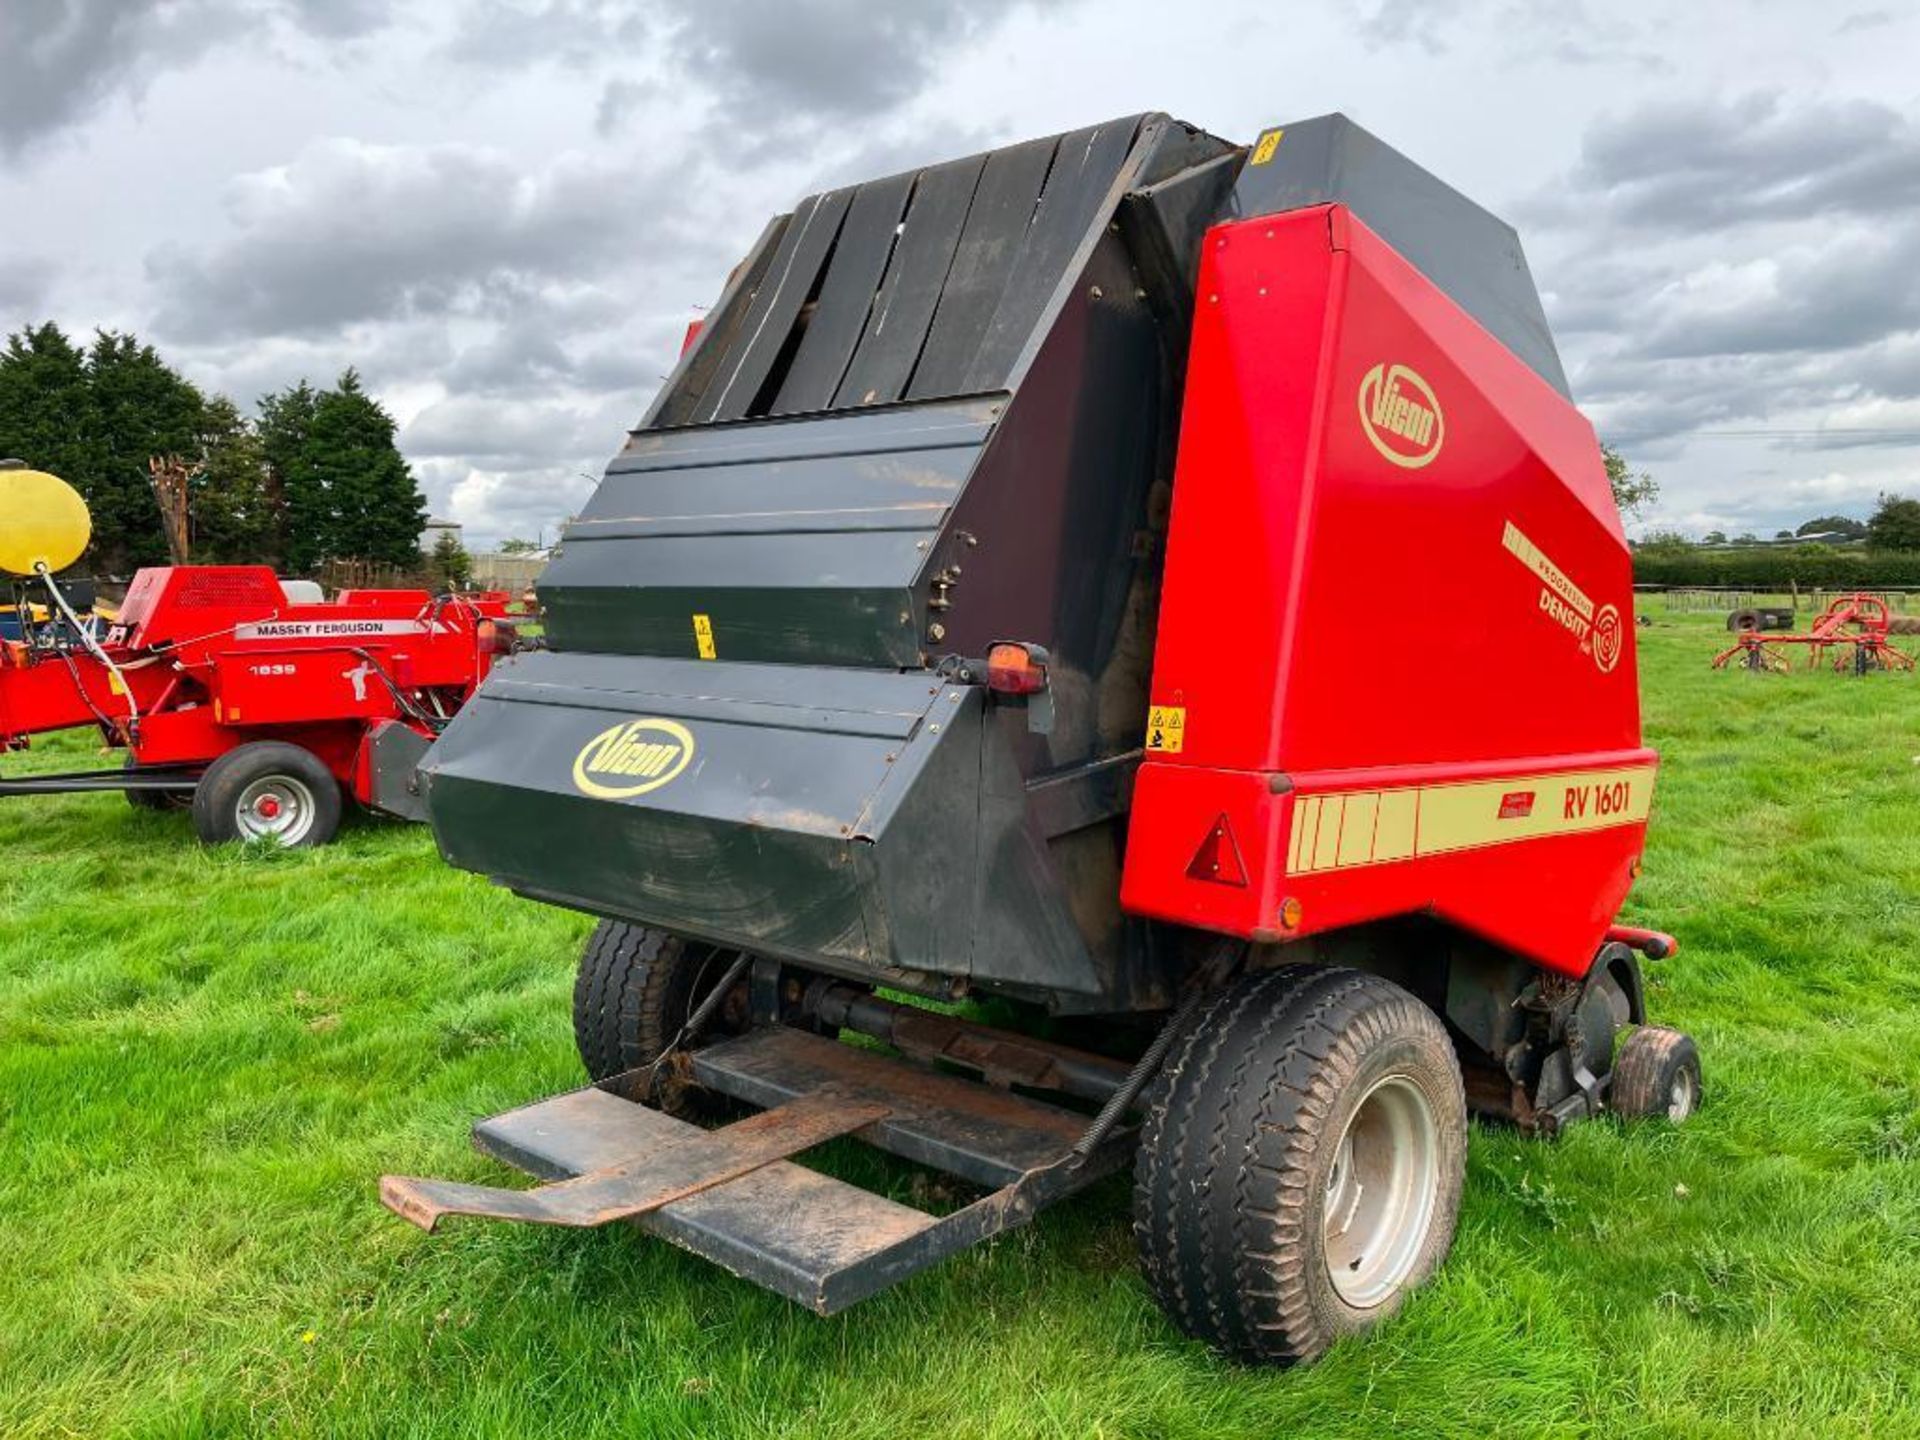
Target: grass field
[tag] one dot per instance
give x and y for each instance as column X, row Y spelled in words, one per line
column 207, row 1058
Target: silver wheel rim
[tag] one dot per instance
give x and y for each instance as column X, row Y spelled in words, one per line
column 275, row 807
column 1682, row 1096
column 1381, row 1193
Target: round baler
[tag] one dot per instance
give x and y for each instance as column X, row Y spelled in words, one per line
column 984, row 612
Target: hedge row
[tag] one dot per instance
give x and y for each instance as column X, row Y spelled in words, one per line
column 1777, row 569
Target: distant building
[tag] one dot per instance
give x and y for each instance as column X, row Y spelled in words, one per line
column 430, row 536
column 492, row 571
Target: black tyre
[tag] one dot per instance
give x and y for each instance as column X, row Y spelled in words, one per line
column 1301, row 1162
column 267, row 791
column 1656, row 1073
column 635, row 990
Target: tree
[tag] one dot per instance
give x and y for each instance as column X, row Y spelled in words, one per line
column 517, row 546
column 1665, row 542
column 1834, row 525
column 96, row 418
column 378, row 510
column 236, row 520
column 45, row 404
column 1714, row 537
column 172, row 481
column 1632, row 492
column 450, row 564
column 296, row 491
column 1895, row 525
column 346, row 490
column 141, row 408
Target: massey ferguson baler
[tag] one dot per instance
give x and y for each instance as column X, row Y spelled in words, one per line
column 231, row 693
column 985, row 608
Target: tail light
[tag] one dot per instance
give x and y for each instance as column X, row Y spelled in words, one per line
column 1016, row 669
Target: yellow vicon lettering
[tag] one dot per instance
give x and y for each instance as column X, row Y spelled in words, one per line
column 632, row 757
column 1401, row 415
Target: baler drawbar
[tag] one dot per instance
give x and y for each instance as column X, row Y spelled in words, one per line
column 972, row 618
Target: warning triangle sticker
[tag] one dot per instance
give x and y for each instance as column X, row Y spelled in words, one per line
column 1218, row 858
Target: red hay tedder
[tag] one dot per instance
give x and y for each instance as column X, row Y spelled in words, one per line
column 1853, row 630
column 232, row 693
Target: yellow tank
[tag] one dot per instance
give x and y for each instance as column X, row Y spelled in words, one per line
column 43, row 521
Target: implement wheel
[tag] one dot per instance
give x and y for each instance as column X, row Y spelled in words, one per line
column 267, row 790
column 1301, row 1163
column 635, row 989
column 1657, row 1072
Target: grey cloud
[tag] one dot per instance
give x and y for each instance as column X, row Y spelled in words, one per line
column 534, row 356
column 1411, row 22
column 1569, row 31
column 618, row 100
column 67, row 58
column 790, row 65
column 24, row 283
column 1833, row 297
column 513, row 434
column 1864, row 20
column 1684, row 165
column 351, row 232
column 1737, row 264
column 769, row 65
column 531, row 502
column 338, row 19
column 505, row 33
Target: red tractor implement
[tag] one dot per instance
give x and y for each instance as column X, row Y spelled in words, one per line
column 972, row 617
column 258, row 711
column 1850, row 634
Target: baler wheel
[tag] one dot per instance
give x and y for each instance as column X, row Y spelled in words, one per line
column 267, row 790
column 1657, row 1072
column 1301, row 1163
column 635, row 989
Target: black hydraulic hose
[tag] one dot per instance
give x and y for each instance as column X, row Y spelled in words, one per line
column 1144, row 1069
column 435, row 723
column 696, row 1022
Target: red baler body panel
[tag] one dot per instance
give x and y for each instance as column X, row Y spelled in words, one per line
column 215, row 656
column 1395, row 647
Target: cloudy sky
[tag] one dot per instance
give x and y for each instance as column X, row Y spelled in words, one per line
column 505, row 212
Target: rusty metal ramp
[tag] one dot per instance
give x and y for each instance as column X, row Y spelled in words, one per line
column 734, row 1194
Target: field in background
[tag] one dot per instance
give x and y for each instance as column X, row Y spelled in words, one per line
column 208, row 1057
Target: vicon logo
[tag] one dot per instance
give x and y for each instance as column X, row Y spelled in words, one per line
column 1401, row 415
column 632, row 758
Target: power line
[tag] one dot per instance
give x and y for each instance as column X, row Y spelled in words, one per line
column 1905, row 432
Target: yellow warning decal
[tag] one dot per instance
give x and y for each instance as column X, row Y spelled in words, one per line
column 703, row 637
column 1373, row 827
column 1166, row 729
column 1264, row 147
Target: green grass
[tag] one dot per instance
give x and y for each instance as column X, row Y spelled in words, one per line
column 208, row 1057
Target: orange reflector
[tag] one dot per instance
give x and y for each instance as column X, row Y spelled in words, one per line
column 1013, row 669
column 1290, row 913
column 1218, row 858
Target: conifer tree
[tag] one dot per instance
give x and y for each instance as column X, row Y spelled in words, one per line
column 140, row 408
